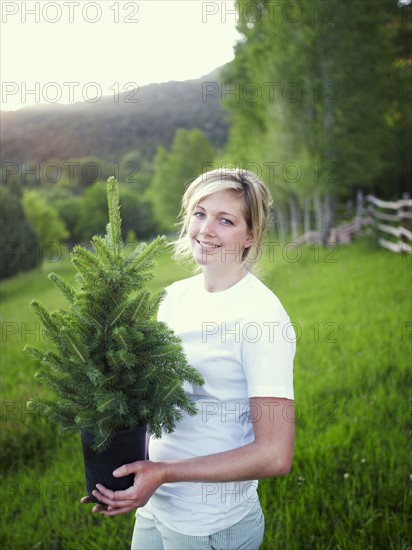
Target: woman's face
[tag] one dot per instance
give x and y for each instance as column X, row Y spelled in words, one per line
column 218, row 231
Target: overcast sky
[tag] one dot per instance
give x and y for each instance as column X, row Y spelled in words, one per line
column 67, row 50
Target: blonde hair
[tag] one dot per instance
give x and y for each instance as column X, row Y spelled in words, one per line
column 256, row 202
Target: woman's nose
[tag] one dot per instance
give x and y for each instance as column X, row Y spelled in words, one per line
column 207, row 228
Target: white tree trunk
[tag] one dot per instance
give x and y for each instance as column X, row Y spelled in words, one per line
column 282, row 226
column 318, row 212
column 294, row 217
column 329, row 215
column 306, row 216
column 359, row 209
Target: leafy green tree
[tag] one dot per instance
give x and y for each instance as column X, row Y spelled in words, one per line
column 19, row 246
column 135, row 171
column 68, row 208
column 323, row 71
column 190, row 155
column 85, row 171
column 92, row 212
column 67, row 204
column 137, row 213
column 397, row 178
column 44, row 219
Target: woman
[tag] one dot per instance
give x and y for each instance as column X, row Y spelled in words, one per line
column 199, row 487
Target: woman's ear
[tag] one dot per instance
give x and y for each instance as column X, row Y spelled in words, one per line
column 249, row 241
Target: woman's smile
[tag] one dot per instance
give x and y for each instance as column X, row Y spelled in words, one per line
column 208, row 246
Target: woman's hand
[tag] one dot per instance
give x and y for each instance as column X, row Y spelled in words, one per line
column 148, row 476
column 269, row 455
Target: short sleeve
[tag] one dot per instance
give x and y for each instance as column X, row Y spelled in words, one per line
column 268, row 350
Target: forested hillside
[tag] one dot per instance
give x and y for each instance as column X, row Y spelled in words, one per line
column 140, row 119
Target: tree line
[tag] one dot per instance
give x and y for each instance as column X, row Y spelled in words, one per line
column 45, row 204
column 333, row 86
column 318, row 98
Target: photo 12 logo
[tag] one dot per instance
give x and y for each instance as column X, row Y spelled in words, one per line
column 68, row 92
column 69, row 12
column 54, row 171
column 271, row 92
column 319, row 11
column 50, row 492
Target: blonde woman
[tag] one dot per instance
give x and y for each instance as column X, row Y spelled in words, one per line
column 198, row 490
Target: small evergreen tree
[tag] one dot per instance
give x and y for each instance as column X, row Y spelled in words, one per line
column 112, row 367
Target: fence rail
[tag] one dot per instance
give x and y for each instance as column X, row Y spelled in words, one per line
column 402, row 216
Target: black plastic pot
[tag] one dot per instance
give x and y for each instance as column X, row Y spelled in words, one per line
column 125, row 447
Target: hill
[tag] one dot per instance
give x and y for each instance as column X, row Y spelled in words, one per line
column 141, row 119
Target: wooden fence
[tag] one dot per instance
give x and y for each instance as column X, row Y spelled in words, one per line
column 390, row 219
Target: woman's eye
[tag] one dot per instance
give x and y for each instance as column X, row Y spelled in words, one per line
column 226, row 221
column 198, row 214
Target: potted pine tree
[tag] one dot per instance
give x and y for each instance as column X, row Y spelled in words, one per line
column 113, row 371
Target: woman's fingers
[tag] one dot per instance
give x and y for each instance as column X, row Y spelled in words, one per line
column 116, row 499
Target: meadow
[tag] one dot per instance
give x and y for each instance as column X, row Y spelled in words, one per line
column 350, row 484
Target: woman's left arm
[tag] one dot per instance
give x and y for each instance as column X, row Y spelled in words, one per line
column 269, row 455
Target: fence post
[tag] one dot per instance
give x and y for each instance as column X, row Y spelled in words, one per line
column 403, row 222
column 319, row 213
column 359, row 210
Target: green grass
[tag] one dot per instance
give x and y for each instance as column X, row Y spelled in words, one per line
column 23, row 433
column 351, row 477
column 349, row 487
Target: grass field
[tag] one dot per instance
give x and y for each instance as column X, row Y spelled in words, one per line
column 350, row 484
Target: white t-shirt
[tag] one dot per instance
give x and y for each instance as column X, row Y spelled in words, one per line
column 242, row 342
